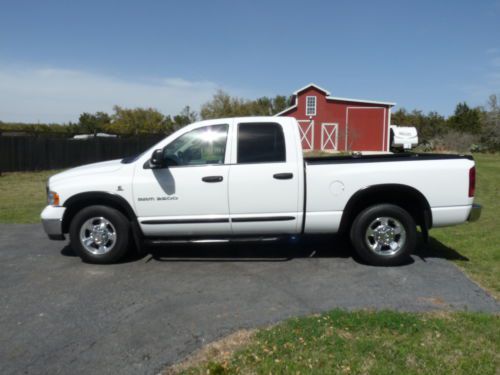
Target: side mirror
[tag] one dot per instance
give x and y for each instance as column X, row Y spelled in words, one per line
column 157, row 160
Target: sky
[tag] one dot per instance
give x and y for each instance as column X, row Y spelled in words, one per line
column 61, row 58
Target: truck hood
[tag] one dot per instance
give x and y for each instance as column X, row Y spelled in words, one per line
column 88, row 169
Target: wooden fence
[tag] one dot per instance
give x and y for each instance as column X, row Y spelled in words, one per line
column 30, row 153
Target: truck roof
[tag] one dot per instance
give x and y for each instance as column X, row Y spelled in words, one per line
column 280, row 119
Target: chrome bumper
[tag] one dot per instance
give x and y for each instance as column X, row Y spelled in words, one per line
column 475, row 212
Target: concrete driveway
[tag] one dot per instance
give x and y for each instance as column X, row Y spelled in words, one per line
column 59, row 315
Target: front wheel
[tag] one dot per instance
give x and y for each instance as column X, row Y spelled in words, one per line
column 99, row 234
column 384, row 235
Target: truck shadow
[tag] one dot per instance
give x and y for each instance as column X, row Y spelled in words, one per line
column 436, row 249
column 280, row 251
column 276, row 251
column 308, row 247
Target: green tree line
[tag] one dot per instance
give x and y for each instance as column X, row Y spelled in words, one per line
column 468, row 129
column 140, row 121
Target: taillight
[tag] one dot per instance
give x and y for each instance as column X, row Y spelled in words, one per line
column 472, row 181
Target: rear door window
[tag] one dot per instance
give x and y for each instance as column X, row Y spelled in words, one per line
column 261, row 143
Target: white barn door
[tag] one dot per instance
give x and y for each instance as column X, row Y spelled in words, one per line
column 306, row 128
column 329, row 137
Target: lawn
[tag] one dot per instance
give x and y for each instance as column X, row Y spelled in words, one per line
column 362, row 342
column 23, row 196
column 479, row 242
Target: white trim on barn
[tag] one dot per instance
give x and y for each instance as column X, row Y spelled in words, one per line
column 288, row 109
column 360, row 101
column 387, row 145
column 334, row 132
column 309, row 86
column 309, row 129
column 311, row 106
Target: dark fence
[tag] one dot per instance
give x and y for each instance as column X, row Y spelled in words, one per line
column 29, row 153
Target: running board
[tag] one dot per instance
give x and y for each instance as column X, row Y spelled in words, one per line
column 176, row 241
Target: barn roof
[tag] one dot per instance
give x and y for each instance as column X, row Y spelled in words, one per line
column 309, row 86
column 329, row 97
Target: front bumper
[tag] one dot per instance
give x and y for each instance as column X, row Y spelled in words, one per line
column 475, row 212
column 52, row 222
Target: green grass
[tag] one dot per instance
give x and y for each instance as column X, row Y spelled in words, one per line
column 365, row 342
column 23, row 196
column 479, row 242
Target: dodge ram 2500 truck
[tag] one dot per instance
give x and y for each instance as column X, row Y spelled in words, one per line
column 247, row 177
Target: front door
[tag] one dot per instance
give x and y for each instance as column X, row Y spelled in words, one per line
column 189, row 197
column 263, row 181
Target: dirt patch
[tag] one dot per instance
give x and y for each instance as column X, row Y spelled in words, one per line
column 217, row 351
column 433, row 300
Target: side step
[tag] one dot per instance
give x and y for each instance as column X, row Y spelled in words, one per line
column 177, row 241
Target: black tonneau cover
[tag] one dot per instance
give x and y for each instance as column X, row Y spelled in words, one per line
column 378, row 158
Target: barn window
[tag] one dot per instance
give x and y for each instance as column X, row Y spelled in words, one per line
column 310, row 106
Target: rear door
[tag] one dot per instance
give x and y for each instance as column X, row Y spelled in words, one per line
column 263, row 180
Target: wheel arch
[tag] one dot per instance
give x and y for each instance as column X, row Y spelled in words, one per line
column 82, row 200
column 404, row 196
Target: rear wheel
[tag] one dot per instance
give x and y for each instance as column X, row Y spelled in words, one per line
column 383, row 235
column 99, row 234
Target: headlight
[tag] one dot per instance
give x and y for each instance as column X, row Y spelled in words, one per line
column 53, row 198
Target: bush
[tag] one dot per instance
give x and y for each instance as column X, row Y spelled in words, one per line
column 453, row 141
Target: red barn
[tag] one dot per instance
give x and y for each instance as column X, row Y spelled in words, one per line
column 330, row 123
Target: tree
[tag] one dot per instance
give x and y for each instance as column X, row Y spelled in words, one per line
column 428, row 125
column 224, row 105
column 490, row 136
column 466, row 119
column 138, row 121
column 280, row 103
column 93, row 123
column 185, row 117
column 493, row 111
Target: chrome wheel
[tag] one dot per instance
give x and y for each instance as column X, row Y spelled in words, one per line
column 385, row 236
column 98, row 235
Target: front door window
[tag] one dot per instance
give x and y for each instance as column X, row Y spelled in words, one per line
column 201, row 146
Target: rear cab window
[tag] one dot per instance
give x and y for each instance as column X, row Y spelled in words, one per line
column 260, row 143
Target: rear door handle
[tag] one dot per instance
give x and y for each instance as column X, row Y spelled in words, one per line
column 212, row 179
column 283, row 176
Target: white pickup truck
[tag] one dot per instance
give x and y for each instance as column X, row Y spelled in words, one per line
column 246, row 177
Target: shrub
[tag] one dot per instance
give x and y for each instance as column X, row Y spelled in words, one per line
column 454, row 141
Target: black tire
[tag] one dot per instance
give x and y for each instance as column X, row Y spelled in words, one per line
column 114, row 222
column 364, row 242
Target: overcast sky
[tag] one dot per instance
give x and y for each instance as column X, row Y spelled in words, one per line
column 61, row 58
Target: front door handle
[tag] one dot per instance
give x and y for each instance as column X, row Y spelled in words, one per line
column 212, row 179
column 283, row 176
